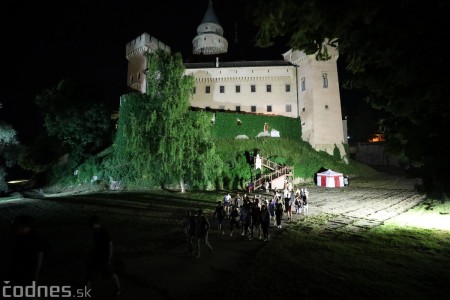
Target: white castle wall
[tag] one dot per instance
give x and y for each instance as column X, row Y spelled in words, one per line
column 137, row 61
column 319, row 108
column 244, row 77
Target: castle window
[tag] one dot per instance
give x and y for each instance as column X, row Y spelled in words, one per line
column 222, row 89
column 303, row 83
column 194, row 90
column 253, row 108
column 325, row 80
column 288, row 88
column 238, row 89
column 269, row 108
column 303, row 109
column 288, row 107
column 139, row 75
column 326, row 106
column 207, row 89
column 253, row 88
column 131, row 79
column 238, row 108
column 269, row 88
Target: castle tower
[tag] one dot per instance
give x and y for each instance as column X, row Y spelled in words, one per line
column 137, row 61
column 319, row 101
column 209, row 39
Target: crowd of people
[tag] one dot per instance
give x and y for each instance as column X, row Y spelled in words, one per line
column 247, row 215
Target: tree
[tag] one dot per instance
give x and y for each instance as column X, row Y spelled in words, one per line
column 8, row 139
column 75, row 115
column 158, row 138
column 393, row 50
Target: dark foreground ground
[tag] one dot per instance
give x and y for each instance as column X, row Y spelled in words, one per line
column 150, row 250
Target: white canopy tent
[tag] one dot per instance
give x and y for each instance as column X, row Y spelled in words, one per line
column 330, row 178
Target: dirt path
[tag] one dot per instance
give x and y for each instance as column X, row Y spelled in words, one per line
column 150, row 250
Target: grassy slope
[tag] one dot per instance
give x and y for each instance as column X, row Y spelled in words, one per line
column 306, row 161
column 287, row 149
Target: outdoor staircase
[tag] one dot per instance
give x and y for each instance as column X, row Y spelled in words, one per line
column 278, row 172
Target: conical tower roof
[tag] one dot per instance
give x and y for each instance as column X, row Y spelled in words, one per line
column 210, row 15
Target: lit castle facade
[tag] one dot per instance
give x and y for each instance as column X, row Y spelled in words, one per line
column 297, row 86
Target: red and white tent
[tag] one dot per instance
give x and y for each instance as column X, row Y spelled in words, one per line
column 330, row 179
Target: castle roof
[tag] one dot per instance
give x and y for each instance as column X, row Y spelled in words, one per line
column 237, row 64
column 210, row 15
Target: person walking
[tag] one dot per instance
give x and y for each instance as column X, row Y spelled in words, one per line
column 101, row 256
column 219, row 217
column 189, row 230
column 202, row 227
column 234, row 220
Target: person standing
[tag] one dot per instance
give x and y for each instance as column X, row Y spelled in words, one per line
column 227, row 202
column 237, row 202
column 256, row 218
column 305, row 199
column 265, row 222
column 246, row 218
column 278, row 212
column 272, row 203
column 101, row 256
column 297, row 204
column 266, row 186
column 288, row 204
column 28, row 251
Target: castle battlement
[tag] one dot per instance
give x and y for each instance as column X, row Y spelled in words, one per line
column 144, row 43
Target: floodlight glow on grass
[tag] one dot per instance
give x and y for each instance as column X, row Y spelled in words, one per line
column 17, row 181
column 422, row 220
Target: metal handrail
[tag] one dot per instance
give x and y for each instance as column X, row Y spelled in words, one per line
column 278, row 171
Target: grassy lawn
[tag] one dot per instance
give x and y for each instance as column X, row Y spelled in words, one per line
column 388, row 262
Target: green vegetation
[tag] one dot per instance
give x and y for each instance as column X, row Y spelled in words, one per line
column 161, row 143
column 413, row 117
column 226, row 125
column 8, row 142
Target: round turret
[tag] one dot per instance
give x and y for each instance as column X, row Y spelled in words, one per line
column 209, row 39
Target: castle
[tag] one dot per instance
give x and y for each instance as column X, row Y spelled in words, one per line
column 296, row 86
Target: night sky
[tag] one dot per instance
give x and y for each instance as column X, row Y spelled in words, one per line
column 85, row 41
